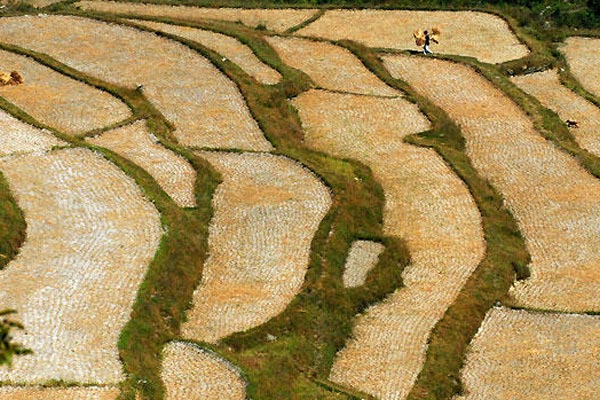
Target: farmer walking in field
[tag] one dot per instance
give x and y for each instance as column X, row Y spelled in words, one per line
column 428, row 38
column 424, row 38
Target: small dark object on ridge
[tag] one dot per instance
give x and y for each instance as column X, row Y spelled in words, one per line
column 572, row 124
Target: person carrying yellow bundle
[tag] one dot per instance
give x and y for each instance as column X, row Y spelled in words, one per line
column 424, row 38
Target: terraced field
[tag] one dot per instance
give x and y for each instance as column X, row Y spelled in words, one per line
column 229, row 203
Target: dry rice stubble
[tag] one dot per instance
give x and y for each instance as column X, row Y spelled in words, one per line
column 278, row 20
column 362, row 258
column 59, row 101
column 583, row 57
column 91, row 234
column 192, row 373
column 207, row 108
column 389, row 341
column 484, row 36
column 70, row 393
column 226, row 46
column 266, row 212
column 17, row 137
column 554, row 200
column 172, row 172
column 520, row 355
column 331, row 67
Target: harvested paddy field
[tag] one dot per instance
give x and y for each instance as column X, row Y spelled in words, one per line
column 583, row 57
column 329, row 66
column 170, row 170
column 226, row 46
column 277, row 20
column 57, row 101
column 353, row 253
column 17, row 137
column 427, row 205
column 484, row 36
column 522, row 355
column 59, row 393
column 266, row 212
column 546, row 87
column 206, row 107
column 90, row 237
column 555, row 201
column 190, row 372
column 362, row 258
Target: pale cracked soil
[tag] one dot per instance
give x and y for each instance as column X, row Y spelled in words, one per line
column 193, row 373
column 17, row 137
column 277, row 20
column 480, row 35
column 329, row 66
column 230, row 48
column 170, row 170
column 583, row 57
column 58, row 101
column 266, row 213
column 206, row 107
column 427, row 205
column 546, row 87
column 523, row 355
column 58, row 393
column 362, row 258
column 555, row 201
column 90, row 237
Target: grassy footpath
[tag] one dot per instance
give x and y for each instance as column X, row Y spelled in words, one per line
column 506, row 255
column 296, row 364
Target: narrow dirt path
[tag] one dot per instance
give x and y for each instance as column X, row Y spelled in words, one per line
column 546, row 87
column 192, row 373
column 555, row 201
column 427, row 205
column 90, row 237
column 266, row 213
column 172, row 172
column 206, row 107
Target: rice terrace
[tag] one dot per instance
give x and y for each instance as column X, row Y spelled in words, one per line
column 299, row 199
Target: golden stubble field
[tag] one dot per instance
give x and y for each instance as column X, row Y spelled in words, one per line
column 92, row 233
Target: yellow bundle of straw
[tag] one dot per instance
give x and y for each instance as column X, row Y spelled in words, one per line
column 435, row 34
column 419, row 37
column 4, row 78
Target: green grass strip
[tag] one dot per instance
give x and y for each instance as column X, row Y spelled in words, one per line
column 12, row 224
